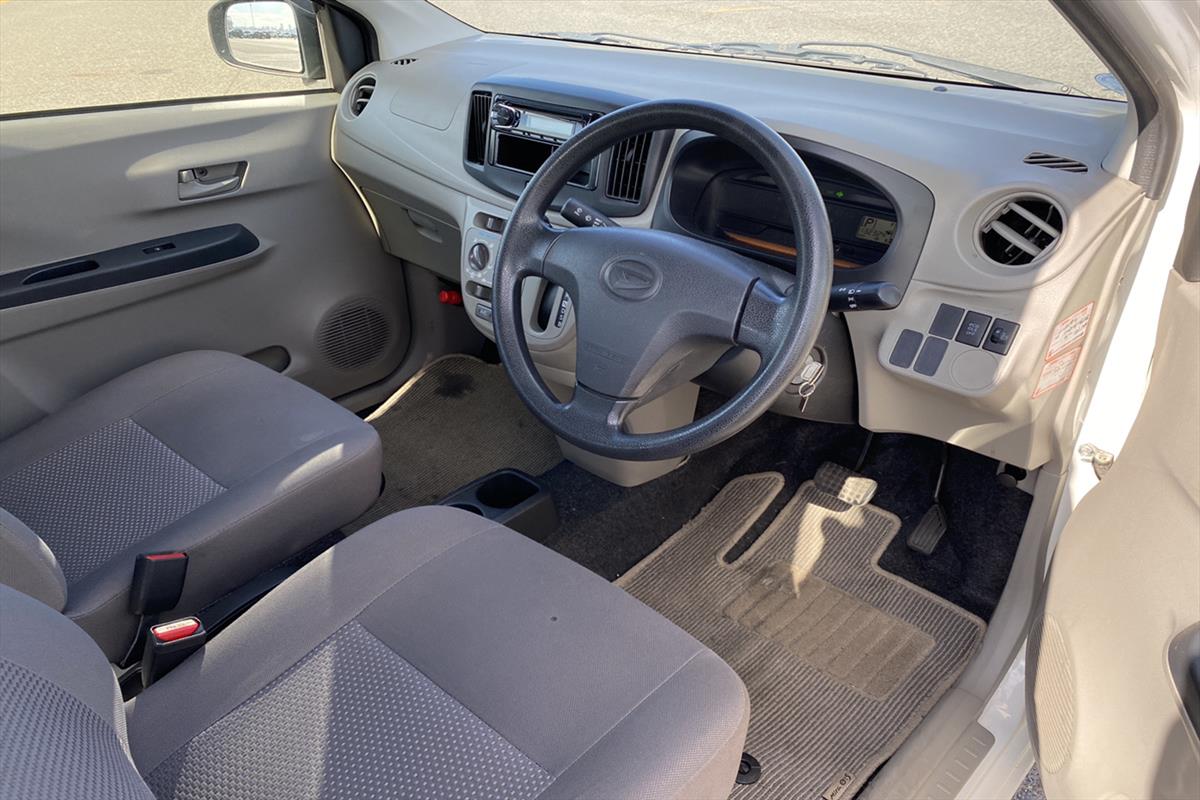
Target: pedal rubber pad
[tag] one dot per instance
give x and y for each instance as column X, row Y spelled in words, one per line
column 925, row 537
column 845, row 485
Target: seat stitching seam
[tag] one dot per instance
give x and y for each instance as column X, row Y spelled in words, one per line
column 448, row 693
column 114, row 421
column 624, row 717
column 181, row 456
column 322, row 474
column 305, row 654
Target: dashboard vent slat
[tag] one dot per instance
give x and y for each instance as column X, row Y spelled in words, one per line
column 1020, row 230
column 477, row 126
column 627, row 171
column 1050, row 161
column 404, row 62
column 361, row 95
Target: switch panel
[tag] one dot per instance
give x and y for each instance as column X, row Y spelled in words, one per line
column 973, row 328
column 906, row 349
column 931, row 356
column 945, row 322
column 1001, row 336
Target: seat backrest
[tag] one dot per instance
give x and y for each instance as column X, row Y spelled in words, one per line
column 27, row 565
column 62, row 720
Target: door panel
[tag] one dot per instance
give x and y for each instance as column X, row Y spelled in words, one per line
column 317, row 284
column 1108, row 669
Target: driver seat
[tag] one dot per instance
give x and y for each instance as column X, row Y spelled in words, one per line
column 433, row 654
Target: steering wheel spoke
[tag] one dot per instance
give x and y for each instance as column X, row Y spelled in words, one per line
column 764, row 313
column 598, row 411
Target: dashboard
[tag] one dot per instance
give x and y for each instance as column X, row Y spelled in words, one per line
column 961, row 262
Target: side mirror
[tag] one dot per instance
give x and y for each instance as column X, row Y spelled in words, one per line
column 272, row 36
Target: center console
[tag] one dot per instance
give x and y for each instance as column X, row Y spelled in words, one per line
column 514, row 127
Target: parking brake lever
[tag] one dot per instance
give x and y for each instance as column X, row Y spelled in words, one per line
column 582, row 216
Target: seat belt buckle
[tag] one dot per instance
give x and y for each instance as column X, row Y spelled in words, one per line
column 168, row 644
column 157, row 582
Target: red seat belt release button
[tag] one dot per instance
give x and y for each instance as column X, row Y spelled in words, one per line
column 171, row 631
column 168, row 644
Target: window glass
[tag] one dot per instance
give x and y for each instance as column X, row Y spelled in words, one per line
column 70, row 54
column 1016, row 44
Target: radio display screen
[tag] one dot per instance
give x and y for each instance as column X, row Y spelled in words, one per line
column 546, row 125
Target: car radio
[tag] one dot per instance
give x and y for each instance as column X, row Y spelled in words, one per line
column 523, row 137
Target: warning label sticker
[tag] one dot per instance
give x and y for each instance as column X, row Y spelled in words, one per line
column 1057, row 371
column 1070, row 332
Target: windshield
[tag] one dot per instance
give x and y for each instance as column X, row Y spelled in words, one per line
column 1015, row 44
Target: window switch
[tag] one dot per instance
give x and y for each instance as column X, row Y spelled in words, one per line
column 1001, row 336
column 973, row 327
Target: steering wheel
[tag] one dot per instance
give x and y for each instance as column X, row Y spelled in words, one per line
column 649, row 304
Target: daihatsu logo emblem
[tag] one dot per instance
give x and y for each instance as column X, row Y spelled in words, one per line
column 631, row 280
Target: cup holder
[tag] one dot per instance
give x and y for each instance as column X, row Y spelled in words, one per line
column 506, row 490
column 511, row 498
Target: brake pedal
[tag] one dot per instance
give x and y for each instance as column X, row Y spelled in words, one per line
column 847, row 486
column 929, row 531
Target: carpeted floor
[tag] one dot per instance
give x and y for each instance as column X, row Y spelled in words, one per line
column 457, row 419
column 841, row 658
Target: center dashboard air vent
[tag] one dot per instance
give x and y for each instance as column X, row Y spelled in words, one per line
column 627, row 171
column 361, row 94
column 404, row 62
column 477, row 126
column 1020, row 230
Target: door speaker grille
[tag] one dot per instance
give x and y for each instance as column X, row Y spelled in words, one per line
column 354, row 333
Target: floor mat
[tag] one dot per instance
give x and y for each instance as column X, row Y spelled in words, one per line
column 456, row 420
column 841, row 658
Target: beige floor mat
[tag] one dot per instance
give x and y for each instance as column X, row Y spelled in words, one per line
column 842, row 659
column 456, row 420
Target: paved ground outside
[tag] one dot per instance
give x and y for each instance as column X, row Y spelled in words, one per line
column 71, row 53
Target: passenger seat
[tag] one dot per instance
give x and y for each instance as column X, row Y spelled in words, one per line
column 433, row 654
column 203, row 452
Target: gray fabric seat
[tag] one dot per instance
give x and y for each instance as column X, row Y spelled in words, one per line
column 205, row 452
column 431, row 655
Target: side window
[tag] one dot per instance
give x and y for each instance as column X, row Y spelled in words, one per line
column 59, row 55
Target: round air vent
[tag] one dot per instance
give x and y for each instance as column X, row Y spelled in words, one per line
column 360, row 95
column 1020, row 230
column 354, row 333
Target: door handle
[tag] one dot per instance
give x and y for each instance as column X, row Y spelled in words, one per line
column 199, row 182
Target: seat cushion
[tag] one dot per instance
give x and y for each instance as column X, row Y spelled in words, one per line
column 204, row 451
column 435, row 654
column 62, row 723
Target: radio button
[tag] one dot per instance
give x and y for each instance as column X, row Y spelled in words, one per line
column 504, row 116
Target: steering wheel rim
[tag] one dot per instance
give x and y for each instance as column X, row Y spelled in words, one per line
column 782, row 328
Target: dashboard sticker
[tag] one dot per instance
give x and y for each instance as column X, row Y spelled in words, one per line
column 1070, row 332
column 1057, row 371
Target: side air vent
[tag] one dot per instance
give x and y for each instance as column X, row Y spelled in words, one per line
column 477, row 126
column 1055, row 162
column 1020, row 230
column 404, row 62
column 361, row 95
column 354, row 334
column 627, row 172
